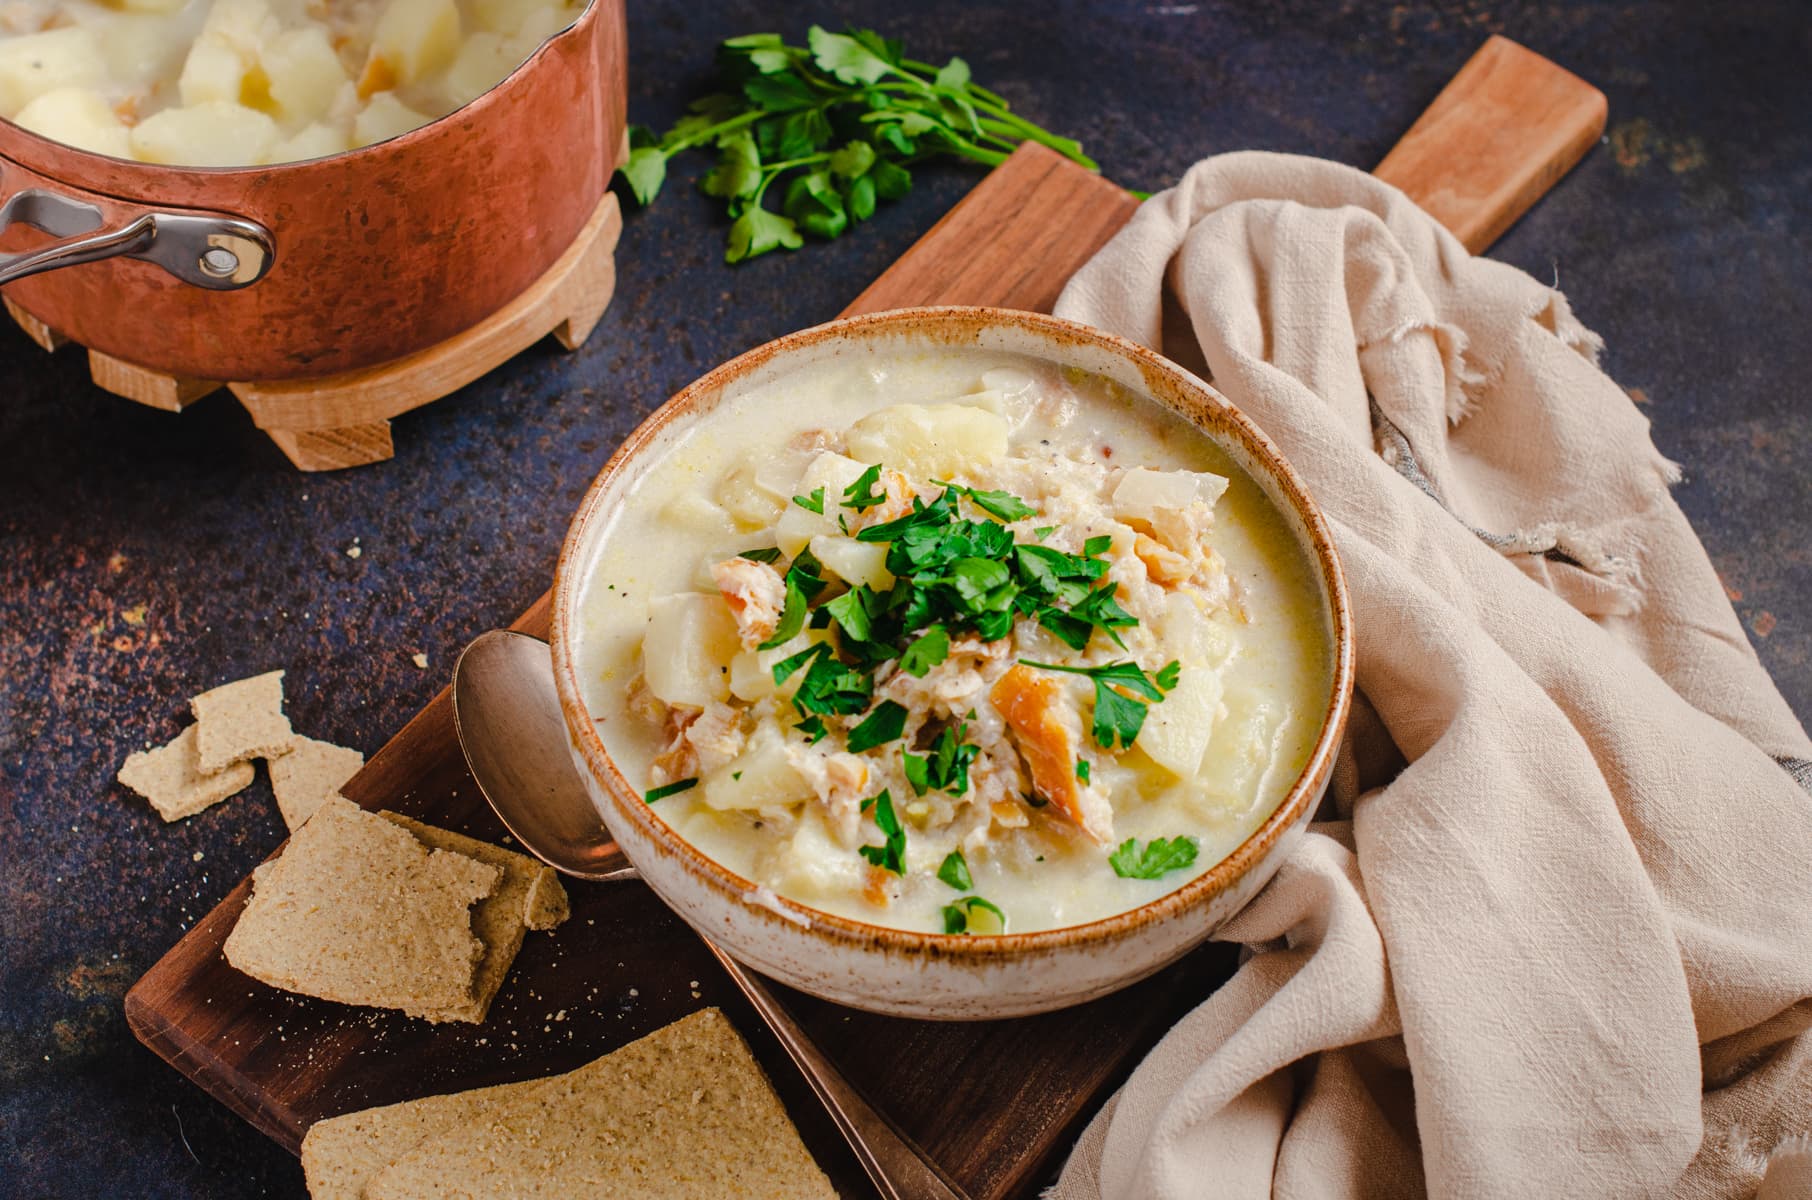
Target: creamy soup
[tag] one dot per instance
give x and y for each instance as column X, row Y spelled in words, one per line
column 959, row 642
column 229, row 83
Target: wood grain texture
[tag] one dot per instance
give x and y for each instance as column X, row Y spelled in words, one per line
column 151, row 388
column 1502, row 133
column 567, row 301
column 335, row 449
column 993, row 1102
column 46, row 337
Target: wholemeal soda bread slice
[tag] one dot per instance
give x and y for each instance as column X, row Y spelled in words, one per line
column 357, row 910
column 528, row 896
column 683, row 1113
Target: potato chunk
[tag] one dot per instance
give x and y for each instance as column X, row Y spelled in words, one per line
column 934, row 440
column 78, row 117
column 214, row 70
column 215, row 134
column 509, row 16
column 484, row 60
column 38, row 63
column 690, row 641
column 411, row 41
column 1143, row 491
column 303, row 73
column 383, row 118
column 1177, row 730
column 759, row 777
column 798, row 524
column 854, row 562
column 317, row 140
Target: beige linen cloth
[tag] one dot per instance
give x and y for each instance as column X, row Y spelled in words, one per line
column 1553, row 935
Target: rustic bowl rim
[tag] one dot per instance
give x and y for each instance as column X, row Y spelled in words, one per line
column 1160, row 374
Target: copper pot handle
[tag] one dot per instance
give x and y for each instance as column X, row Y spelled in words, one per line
column 208, row 250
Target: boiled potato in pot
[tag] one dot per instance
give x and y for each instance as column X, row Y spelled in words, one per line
column 229, row 83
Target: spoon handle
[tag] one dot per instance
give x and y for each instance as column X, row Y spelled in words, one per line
column 897, row 1167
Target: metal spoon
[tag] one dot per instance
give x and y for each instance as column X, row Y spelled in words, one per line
column 507, row 714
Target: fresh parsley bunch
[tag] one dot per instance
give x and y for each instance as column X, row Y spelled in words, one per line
column 838, row 123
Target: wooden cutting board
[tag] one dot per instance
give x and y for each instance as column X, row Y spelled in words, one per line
column 994, row 1102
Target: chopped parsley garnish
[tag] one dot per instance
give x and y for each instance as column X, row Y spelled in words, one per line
column 672, row 789
column 946, row 768
column 813, row 728
column 1004, row 505
column 813, row 502
column 1118, row 716
column 892, row 855
column 861, row 494
column 879, row 727
column 926, row 651
column 955, row 871
column 1159, row 857
column 783, row 670
column 1082, row 769
column 831, row 687
column 792, row 617
column 1044, row 531
column 855, row 610
column 762, row 554
column 960, row 917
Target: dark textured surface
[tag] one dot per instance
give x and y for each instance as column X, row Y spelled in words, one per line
column 145, row 556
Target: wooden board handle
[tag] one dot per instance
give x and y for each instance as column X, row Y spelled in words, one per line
column 1498, row 136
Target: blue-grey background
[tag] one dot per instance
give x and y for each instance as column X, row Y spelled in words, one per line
column 145, row 556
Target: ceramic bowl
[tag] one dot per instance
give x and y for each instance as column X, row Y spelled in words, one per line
column 926, row 975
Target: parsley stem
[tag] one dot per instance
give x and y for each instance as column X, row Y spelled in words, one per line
column 711, row 132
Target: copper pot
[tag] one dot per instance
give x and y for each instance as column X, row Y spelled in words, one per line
column 312, row 268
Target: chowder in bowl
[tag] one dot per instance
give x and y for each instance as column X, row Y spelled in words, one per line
column 951, row 662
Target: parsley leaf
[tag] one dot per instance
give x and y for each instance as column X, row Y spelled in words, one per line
column 879, row 727
column 890, row 856
column 831, row 688
column 762, row 554
column 672, row 789
column 813, row 502
column 946, row 768
column 861, row 494
column 853, row 611
column 834, row 122
column 1118, row 717
column 960, row 917
column 792, row 617
column 1082, row 769
column 1159, row 857
column 927, row 651
column 1004, row 505
column 783, row 670
column 955, row 871
column 813, row 728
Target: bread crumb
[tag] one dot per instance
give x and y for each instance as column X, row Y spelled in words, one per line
column 420, row 660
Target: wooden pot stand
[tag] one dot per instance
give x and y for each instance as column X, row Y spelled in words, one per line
column 344, row 420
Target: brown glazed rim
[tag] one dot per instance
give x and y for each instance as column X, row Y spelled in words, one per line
column 46, row 151
column 961, row 325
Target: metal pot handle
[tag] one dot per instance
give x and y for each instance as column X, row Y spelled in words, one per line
column 208, row 250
